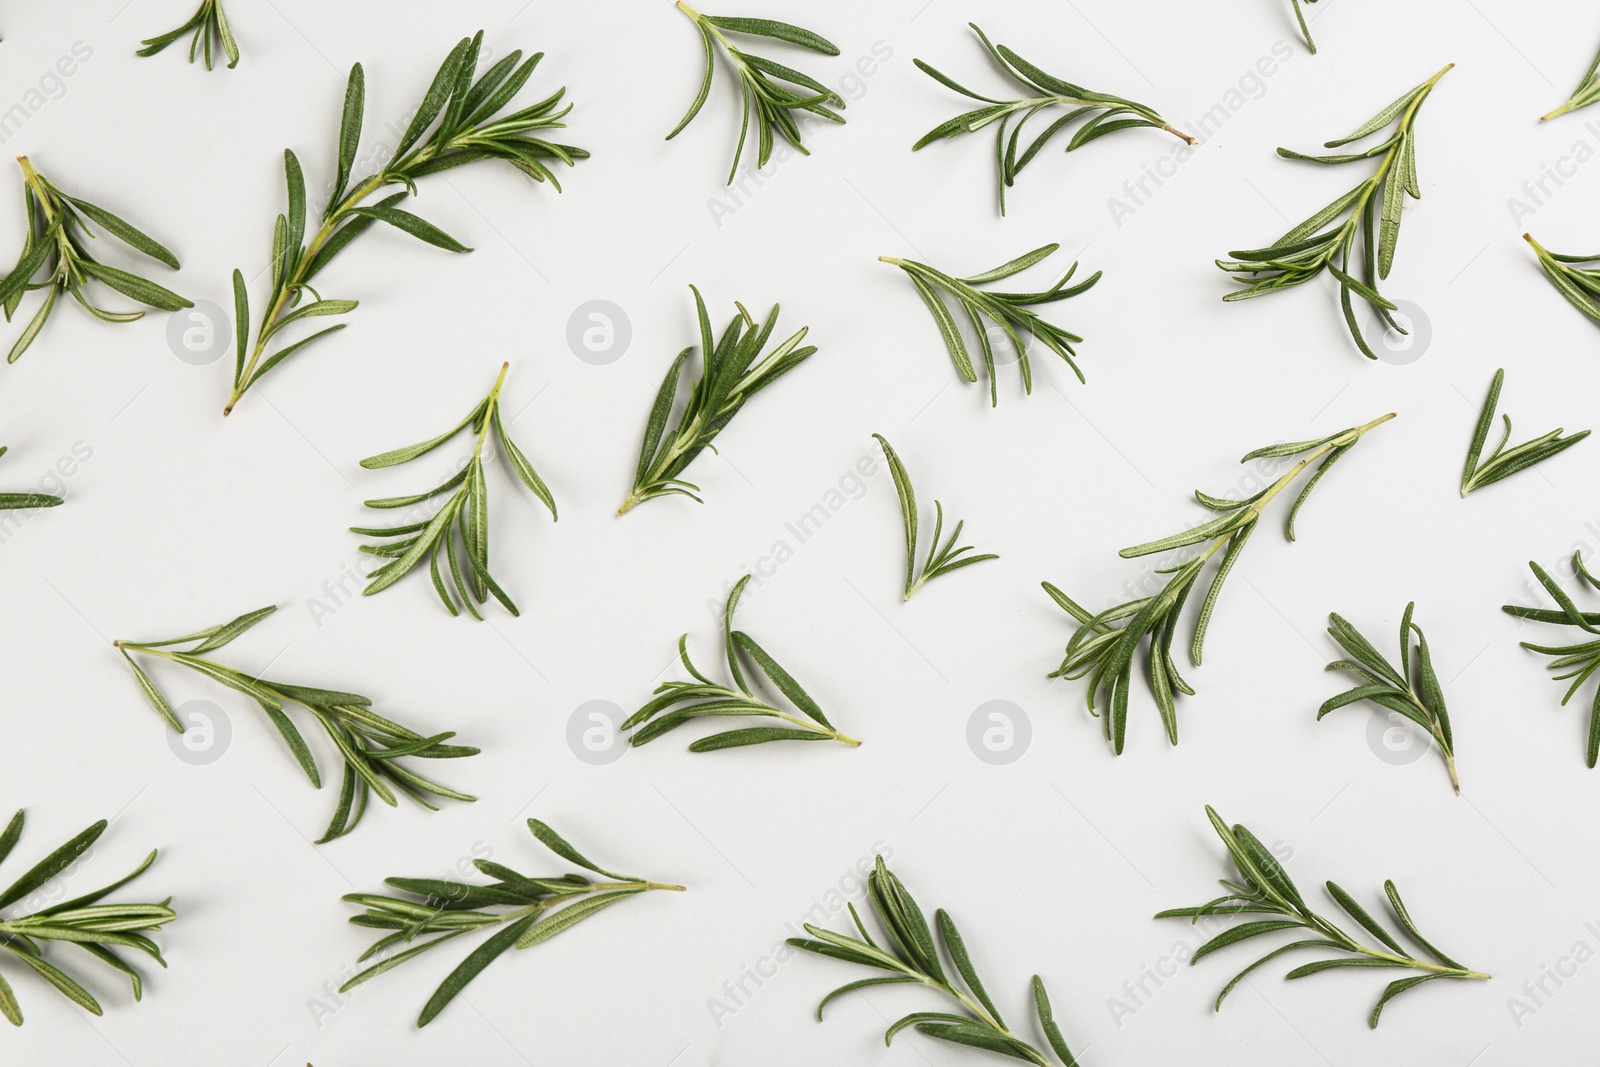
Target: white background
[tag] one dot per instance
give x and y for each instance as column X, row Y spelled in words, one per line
column 1053, row 864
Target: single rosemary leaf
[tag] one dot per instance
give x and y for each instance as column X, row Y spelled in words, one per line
column 1578, row 283
column 1577, row 661
column 208, row 24
column 24, row 501
column 940, row 559
column 1503, row 462
column 1588, row 92
column 1305, row 30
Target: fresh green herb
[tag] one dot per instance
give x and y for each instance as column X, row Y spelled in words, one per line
column 1586, row 93
column 209, row 22
column 1373, row 213
column 1266, row 889
column 1104, row 646
column 539, row 908
column 467, row 130
column 732, row 371
column 55, row 243
column 774, row 104
column 370, row 745
column 464, row 513
column 1583, row 657
column 98, row 929
column 679, row 702
column 1305, row 30
column 941, row 560
column 1007, row 311
column 1579, row 284
column 1502, row 463
column 1042, row 92
column 913, row 958
column 1421, row 700
column 21, row 501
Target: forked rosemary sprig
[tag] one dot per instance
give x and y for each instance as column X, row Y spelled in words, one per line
column 22, row 501
column 1579, row 284
column 1587, row 92
column 1104, row 646
column 1305, row 30
column 1582, row 657
column 1411, row 689
column 732, row 371
column 457, row 123
column 774, row 104
column 1373, row 209
column 371, row 746
column 1008, row 311
column 1043, row 92
column 539, row 907
column 912, row 957
column 1264, row 888
column 98, row 929
column 463, row 516
column 940, row 559
column 677, row 703
column 209, row 22
column 56, row 243
column 1503, row 462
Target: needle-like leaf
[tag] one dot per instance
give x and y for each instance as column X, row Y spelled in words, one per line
column 1588, row 92
column 22, row 501
column 1503, row 461
column 941, row 559
column 1577, row 661
column 208, row 24
column 1578, row 283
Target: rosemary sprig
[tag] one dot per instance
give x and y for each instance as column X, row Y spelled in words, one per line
column 370, row 745
column 1264, row 888
column 1502, row 462
column 1103, row 646
column 912, row 957
column 1043, row 92
column 1412, row 689
column 457, row 123
column 21, row 501
column 55, row 243
column 732, row 371
column 677, row 703
column 1373, row 209
column 940, row 560
column 98, row 929
column 464, row 516
column 774, row 104
column 209, row 22
column 539, row 908
column 1582, row 657
column 1009, row 311
column 1305, row 30
column 1579, row 284
column 1587, row 92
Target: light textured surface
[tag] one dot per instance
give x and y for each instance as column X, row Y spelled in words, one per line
column 1054, row 863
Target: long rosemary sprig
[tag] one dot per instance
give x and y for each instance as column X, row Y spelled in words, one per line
column 1578, row 283
column 1582, row 657
column 24, row 501
column 1103, row 647
column 1503, row 462
column 941, row 559
column 457, row 123
column 1587, row 92
column 209, row 22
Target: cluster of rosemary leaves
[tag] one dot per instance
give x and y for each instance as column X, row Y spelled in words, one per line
column 1578, row 283
column 209, row 23
column 940, row 559
column 1577, row 661
column 1504, row 462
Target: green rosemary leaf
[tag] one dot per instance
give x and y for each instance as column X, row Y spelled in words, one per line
column 417, row 227
column 1503, row 462
column 1587, row 92
column 1582, row 657
column 209, row 23
column 939, row 561
column 1579, row 284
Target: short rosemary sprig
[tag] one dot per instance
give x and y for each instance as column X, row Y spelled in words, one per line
column 1103, row 647
column 912, row 957
column 1587, row 92
column 1412, row 689
column 1373, row 213
column 1305, row 30
column 1582, row 657
column 457, row 123
column 1579, row 284
column 464, row 516
column 370, row 745
column 1264, row 888
column 208, row 23
column 940, row 559
column 774, row 104
column 732, row 371
column 1009, row 311
column 21, row 501
column 55, row 243
column 539, row 908
column 1044, row 91
column 98, row 929
column 1503, row 462
column 677, row 703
